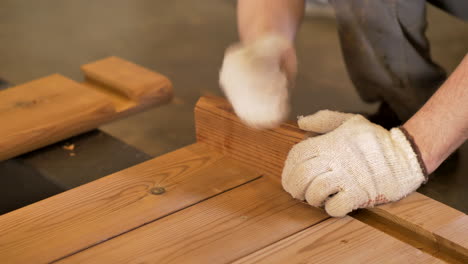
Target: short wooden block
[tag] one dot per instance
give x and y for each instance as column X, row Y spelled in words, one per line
column 53, row 108
column 136, row 83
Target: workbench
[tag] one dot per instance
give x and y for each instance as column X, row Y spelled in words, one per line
column 220, row 200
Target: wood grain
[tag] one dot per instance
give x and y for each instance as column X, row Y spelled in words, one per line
column 429, row 221
column 218, row 126
column 336, row 240
column 117, row 77
column 455, row 235
column 219, row 230
column 53, row 108
column 95, row 212
column 218, row 209
column 424, row 218
column 47, row 110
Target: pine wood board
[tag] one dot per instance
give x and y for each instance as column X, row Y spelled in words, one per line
column 53, row 108
column 344, row 240
column 40, row 112
column 219, row 230
column 436, row 225
column 429, row 221
column 90, row 214
column 222, row 204
column 218, row 126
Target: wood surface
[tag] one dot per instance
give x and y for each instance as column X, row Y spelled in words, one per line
column 218, row 126
column 429, row 220
column 219, row 230
column 439, row 227
column 137, row 84
column 221, row 205
column 46, row 110
column 90, row 214
column 344, row 240
column 53, row 108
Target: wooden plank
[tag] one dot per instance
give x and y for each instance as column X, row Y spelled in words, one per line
column 130, row 80
column 344, row 240
column 53, row 108
column 74, row 220
column 455, row 235
column 428, row 221
column 218, row 126
column 219, row 230
column 47, row 110
column 425, row 219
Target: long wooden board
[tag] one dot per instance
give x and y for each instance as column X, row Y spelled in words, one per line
column 245, row 220
column 220, row 230
column 432, row 223
column 435, row 226
column 77, row 219
column 53, row 108
column 340, row 241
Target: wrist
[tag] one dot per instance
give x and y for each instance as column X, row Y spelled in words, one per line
column 413, row 152
column 422, row 146
column 275, row 45
column 260, row 17
column 441, row 126
column 259, row 35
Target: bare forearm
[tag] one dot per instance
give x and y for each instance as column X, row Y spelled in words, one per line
column 258, row 17
column 441, row 125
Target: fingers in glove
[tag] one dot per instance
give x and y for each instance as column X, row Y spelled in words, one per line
column 297, row 177
column 322, row 188
column 346, row 201
column 339, row 205
column 307, row 149
column 323, row 121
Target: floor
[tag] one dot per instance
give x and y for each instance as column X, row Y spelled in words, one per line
column 185, row 40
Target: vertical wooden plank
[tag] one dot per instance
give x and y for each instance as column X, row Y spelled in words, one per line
column 218, row 126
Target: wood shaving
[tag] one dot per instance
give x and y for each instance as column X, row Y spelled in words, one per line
column 69, row 147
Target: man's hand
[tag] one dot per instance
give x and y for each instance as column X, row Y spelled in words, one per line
column 256, row 77
column 258, row 71
column 355, row 164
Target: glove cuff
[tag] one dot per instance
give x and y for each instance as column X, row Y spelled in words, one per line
column 416, row 151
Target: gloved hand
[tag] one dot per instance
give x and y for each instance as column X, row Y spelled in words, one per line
column 255, row 78
column 355, row 164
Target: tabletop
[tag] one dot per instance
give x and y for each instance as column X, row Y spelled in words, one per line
column 219, row 200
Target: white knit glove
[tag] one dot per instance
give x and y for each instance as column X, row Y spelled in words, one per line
column 355, row 164
column 255, row 78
